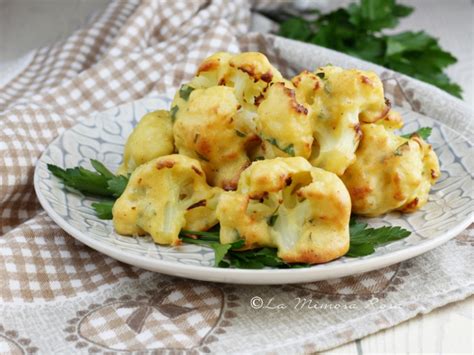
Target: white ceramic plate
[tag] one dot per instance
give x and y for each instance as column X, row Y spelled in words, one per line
column 448, row 212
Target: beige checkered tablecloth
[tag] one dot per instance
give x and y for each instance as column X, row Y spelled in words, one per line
column 59, row 296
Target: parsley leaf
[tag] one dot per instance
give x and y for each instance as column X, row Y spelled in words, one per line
column 86, row 181
column 101, row 169
column 272, row 219
column 211, row 239
column 103, row 209
column 226, row 255
column 358, row 30
column 423, row 132
column 117, row 184
column 290, row 149
column 185, row 91
column 364, row 239
column 257, row 259
column 240, row 134
column 220, row 250
column 102, row 182
column 173, row 112
column 209, row 235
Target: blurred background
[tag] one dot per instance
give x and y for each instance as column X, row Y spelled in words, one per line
column 29, row 24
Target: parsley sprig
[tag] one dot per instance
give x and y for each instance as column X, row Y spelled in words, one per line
column 227, row 255
column 363, row 240
column 101, row 182
column 358, row 31
column 423, row 132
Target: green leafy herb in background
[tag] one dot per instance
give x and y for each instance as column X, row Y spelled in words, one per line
column 358, row 31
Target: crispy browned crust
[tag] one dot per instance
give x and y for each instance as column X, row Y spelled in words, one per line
column 251, row 70
column 165, row 164
column 314, row 257
column 297, row 107
column 208, row 66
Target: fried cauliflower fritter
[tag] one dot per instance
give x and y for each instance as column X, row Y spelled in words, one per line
column 339, row 100
column 238, row 108
column 162, row 197
column 390, row 172
column 249, row 73
column 208, row 128
column 287, row 204
column 151, row 138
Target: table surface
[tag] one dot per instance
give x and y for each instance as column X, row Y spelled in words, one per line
column 446, row 330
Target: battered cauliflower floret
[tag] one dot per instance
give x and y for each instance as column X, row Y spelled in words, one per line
column 339, row 100
column 390, row 172
column 212, row 70
column 208, row 129
column 249, row 112
column 162, row 197
column 287, row 204
column 249, row 73
column 283, row 124
column 215, row 116
column 150, row 139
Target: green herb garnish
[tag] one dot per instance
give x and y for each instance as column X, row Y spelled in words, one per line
column 102, row 183
column 321, row 75
column 256, row 259
column 398, row 152
column 240, row 134
column 185, row 91
column 173, row 112
column 99, row 183
column 103, row 209
column 211, row 239
column 117, row 185
column 290, row 150
column 359, row 30
column 272, row 141
column 272, row 219
column 423, row 132
column 364, row 239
